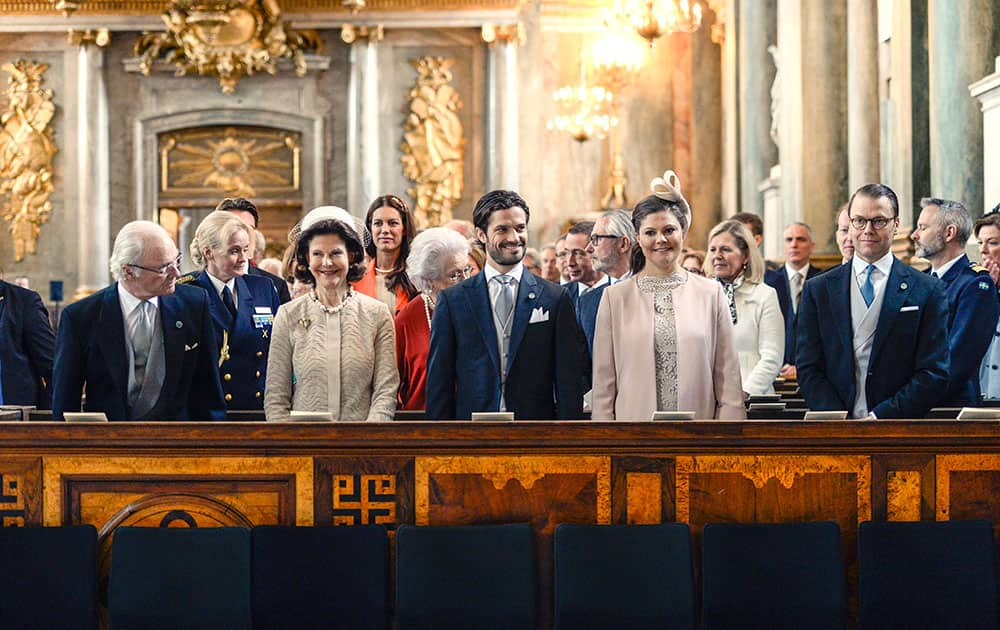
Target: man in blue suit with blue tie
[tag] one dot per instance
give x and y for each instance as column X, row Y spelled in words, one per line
column 26, row 347
column 504, row 340
column 943, row 229
column 144, row 347
column 873, row 333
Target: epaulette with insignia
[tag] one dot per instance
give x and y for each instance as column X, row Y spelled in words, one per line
column 188, row 277
column 977, row 267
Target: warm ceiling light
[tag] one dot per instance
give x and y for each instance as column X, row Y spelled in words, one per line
column 654, row 18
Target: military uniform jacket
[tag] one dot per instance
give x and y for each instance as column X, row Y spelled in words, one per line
column 242, row 344
column 972, row 320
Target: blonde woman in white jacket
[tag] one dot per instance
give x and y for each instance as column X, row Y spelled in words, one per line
column 735, row 261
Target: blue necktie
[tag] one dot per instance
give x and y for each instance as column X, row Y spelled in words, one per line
column 868, row 288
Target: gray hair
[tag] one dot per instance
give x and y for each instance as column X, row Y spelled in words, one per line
column 620, row 224
column 951, row 213
column 807, row 227
column 129, row 245
column 260, row 244
column 213, row 233
column 428, row 251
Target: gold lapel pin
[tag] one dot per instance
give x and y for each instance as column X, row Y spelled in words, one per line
column 305, row 322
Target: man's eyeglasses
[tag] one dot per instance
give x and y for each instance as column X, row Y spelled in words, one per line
column 460, row 275
column 160, row 271
column 595, row 239
column 879, row 223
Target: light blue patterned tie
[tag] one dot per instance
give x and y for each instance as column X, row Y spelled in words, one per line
column 868, row 288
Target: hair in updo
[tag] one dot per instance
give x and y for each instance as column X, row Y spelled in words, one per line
column 675, row 204
column 355, row 253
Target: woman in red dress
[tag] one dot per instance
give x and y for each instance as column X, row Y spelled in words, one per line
column 439, row 258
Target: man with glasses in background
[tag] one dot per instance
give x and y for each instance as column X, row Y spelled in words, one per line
column 610, row 246
column 873, row 334
column 144, row 347
column 580, row 264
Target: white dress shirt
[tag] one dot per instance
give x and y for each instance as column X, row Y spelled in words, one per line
column 880, row 276
column 219, row 285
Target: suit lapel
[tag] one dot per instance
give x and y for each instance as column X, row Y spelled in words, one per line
column 245, row 304
column 897, row 288
column 4, row 297
column 112, row 341
column 173, row 341
column 527, row 295
column 841, row 307
column 478, row 296
column 220, row 314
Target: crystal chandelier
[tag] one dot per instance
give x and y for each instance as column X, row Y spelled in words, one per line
column 655, row 18
column 583, row 111
column 616, row 59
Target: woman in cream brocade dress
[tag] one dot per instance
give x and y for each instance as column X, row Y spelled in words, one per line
column 332, row 349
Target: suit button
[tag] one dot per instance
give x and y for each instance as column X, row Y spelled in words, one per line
column 257, row 395
column 993, row 367
column 258, row 373
column 260, row 353
column 227, row 377
column 229, row 397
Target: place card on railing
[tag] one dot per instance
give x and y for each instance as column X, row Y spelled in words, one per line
column 673, row 415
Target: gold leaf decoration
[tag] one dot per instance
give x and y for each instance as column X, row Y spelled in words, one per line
column 27, row 147
column 226, row 38
column 434, row 142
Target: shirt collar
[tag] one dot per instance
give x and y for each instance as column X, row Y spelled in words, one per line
column 791, row 271
column 514, row 273
column 129, row 302
column 883, row 264
column 219, row 284
column 943, row 269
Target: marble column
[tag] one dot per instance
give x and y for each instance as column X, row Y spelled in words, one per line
column 812, row 56
column 705, row 190
column 757, row 29
column 93, row 179
column 905, row 147
column 862, row 93
column 963, row 40
column 364, row 181
column 730, row 111
column 502, row 111
column 987, row 91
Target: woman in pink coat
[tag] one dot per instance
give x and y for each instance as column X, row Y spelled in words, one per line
column 664, row 338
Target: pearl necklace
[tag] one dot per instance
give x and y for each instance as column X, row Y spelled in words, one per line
column 331, row 309
column 383, row 271
column 428, row 305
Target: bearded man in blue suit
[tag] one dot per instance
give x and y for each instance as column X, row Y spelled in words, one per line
column 873, row 333
column 505, row 339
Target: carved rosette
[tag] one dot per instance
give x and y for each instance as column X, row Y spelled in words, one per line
column 27, row 146
column 228, row 39
column 434, row 142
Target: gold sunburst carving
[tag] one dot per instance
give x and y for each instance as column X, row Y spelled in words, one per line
column 237, row 161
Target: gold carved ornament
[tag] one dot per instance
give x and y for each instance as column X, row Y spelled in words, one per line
column 27, row 147
column 226, row 38
column 434, row 142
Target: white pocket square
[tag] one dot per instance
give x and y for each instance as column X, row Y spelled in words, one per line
column 907, row 309
column 539, row 315
column 188, row 348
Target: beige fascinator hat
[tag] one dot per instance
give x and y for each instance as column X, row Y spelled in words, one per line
column 668, row 188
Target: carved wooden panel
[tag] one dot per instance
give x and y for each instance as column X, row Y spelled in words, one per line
column 642, row 490
column 364, row 490
column 121, row 490
column 20, row 491
column 903, row 487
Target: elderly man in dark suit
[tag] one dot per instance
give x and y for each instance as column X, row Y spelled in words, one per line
column 788, row 281
column 26, row 348
column 143, row 347
column 873, row 334
column 504, row 340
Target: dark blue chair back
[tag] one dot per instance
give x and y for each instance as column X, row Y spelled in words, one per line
column 179, row 578
column 51, row 577
column 927, row 575
column 320, row 577
column 623, row 576
column 780, row 575
column 465, row 577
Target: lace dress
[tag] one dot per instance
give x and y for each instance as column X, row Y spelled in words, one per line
column 664, row 336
